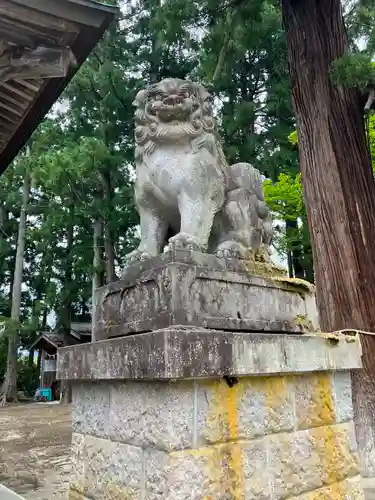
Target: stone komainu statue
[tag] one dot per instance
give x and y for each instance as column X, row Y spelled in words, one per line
column 184, row 184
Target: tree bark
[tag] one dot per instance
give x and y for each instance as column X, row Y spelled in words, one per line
column 8, row 389
column 339, row 191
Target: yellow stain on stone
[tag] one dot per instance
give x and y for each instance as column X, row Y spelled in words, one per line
column 339, row 491
column 114, row 491
column 336, row 491
column 275, row 394
column 222, row 425
column 75, row 495
column 224, row 402
column 221, row 467
column 222, row 418
column 224, row 467
column 235, row 468
column 314, row 401
column 331, row 444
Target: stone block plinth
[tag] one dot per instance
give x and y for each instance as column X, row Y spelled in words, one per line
column 197, row 414
column 195, row 289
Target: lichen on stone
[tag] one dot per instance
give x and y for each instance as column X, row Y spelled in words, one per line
column 258, row 263
column 304, row 322
column 299, row 283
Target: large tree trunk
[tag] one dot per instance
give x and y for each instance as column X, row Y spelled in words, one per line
column 339, row 191
column 8, row 389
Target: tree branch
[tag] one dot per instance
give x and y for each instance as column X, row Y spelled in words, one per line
column 111, row 82
column 370, row 100
column 224, row 48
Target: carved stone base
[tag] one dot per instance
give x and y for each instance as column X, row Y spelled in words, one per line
column 194, row 289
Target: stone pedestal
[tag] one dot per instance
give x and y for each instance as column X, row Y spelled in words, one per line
column 195, row 289
column 190, row 413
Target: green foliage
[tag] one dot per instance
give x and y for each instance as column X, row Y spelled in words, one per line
column 355, row 70
column 360, row 23
column 284, row 197
column 28, row 377
column 371, row 137
column 293, row 138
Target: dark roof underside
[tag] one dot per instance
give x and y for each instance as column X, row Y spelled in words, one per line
column 46, row 34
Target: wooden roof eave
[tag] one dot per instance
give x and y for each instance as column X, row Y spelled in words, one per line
column 59, row 35
column 41, row 341
column 46, row 338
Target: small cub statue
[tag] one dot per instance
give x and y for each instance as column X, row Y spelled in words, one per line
column 184, row 187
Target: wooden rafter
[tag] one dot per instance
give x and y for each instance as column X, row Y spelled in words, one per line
column 42, row 62
column 42, row 42
column 29, row 84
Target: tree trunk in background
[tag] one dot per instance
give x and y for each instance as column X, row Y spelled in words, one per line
column 39, row 363
column 292, row 233
column 290, row 263
column 8, row 389
column 108, row 241
column 3, row 220
column 339, row 191
column 44, row 318
column 66, row 306
column 97, row 262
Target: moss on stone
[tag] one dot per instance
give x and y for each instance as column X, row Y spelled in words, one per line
column 259, row 264
column 304, row 322
column 297, row 284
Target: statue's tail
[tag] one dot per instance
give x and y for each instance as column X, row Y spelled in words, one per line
column 245, row 176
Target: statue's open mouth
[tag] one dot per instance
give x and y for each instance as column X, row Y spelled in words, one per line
column 173, row 107
column 173, row 112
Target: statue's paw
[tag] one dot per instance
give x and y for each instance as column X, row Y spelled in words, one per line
column 137, row 256
column 231, row 250
column 183, row 241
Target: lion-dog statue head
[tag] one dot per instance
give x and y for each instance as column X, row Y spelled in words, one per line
column 173, row 111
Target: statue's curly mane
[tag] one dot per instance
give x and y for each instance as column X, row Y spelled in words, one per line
column 199, row 127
